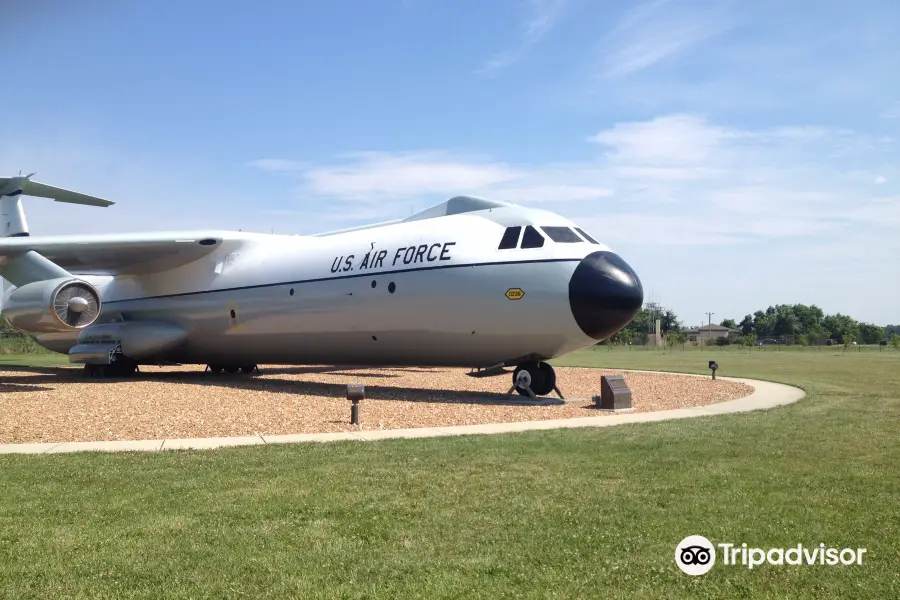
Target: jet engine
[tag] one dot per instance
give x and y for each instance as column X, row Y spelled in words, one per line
column 54, row 305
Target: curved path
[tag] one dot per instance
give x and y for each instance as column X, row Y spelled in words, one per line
column 765, row 395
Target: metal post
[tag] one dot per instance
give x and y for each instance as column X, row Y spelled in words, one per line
column 355, row 393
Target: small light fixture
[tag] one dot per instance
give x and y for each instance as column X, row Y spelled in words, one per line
column 355, row 393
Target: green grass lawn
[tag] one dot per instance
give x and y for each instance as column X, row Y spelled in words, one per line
column 33, row 360
column 593, row 513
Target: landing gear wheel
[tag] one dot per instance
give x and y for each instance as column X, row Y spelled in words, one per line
column 528, row 377
column 122, row 369
column 549, row 382
column 539, row 377
column 248, row 369
column 232, row 369
column 215, row 368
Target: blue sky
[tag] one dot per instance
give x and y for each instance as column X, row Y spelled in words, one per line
column 737, row 154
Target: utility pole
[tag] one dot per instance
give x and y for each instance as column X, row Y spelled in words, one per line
column 709, row 329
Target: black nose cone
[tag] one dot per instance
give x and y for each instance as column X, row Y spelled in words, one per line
column 604, row 294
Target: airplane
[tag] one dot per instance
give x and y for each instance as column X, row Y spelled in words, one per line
column 469, row 282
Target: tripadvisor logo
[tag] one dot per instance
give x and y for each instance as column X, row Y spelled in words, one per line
column 696, row 555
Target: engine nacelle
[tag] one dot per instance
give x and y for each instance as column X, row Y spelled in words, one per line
column 53, row 305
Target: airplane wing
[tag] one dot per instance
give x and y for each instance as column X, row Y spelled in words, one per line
column 117, row 254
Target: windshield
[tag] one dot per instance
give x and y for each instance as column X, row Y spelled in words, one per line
column 562, row 235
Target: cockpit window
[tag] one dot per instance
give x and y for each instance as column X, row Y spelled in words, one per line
column 586, row 236
column 510, row 238
column 562, row 235
column 531, row 238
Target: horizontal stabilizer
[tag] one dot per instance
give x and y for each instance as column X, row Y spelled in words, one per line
column 15, row 186
column 12, row 189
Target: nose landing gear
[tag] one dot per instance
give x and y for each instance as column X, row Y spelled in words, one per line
column 122, row 368
column 534, row 379
column 119, row 366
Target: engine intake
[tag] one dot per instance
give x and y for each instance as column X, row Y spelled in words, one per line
column 52, row 305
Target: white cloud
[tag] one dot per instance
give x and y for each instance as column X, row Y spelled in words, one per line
column 893, row 112
column 550, row 193
column 880, row 179
column 666, row 173
column 540, row 18
column 657, row 30
column 671, row 139
column 657, row 230
column 384, row 179
column 369, row 176
column 880, row 212
column 721, row 184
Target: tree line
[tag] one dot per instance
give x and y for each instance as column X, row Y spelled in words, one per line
column 810, row 325
column 805, row 324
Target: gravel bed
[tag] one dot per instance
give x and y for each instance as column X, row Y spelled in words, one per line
column 56, row 405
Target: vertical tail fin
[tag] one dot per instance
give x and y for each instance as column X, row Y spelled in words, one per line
column 14, row 223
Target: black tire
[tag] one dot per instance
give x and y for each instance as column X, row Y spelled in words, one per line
column 215, row 369
column 232, row 369
column 248, row 369
column 122, row 368
column 537, row 379
column 548, row 380
column 125, row 369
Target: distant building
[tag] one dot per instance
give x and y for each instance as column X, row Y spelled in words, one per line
column 711, row 332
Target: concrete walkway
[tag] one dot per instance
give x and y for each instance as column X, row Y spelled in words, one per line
column 765, row 395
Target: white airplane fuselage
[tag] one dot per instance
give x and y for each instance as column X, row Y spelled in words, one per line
column 427, row 292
